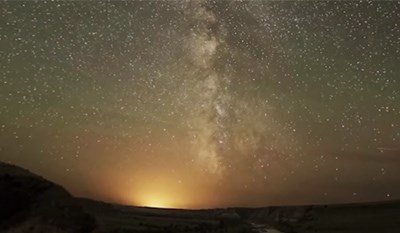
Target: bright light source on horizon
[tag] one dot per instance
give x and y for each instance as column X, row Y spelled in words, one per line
column 157, row 201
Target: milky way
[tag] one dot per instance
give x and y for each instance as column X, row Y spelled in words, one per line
column 203, row 43
column 204, row 103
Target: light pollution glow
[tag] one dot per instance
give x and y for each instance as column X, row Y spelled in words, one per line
column 197, row 104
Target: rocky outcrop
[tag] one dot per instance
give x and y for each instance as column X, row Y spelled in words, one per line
column 29, row 203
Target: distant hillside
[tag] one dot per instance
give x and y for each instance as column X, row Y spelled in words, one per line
column 382, row 217
column 29, row 203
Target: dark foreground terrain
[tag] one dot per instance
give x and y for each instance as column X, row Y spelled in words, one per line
column 29, row 203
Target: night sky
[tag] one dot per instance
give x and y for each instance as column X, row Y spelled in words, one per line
column 199, row 104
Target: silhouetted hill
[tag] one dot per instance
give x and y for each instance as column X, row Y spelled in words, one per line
column 29, row 203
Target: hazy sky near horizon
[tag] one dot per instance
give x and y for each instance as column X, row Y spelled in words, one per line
column 204, row 103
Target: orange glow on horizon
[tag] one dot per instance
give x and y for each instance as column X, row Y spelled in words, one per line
column 159, row 198
column 158, row 191
column 162, row 186
column 158, row 201
column 157, row 188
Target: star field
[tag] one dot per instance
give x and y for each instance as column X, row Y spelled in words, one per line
column 204, row 103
